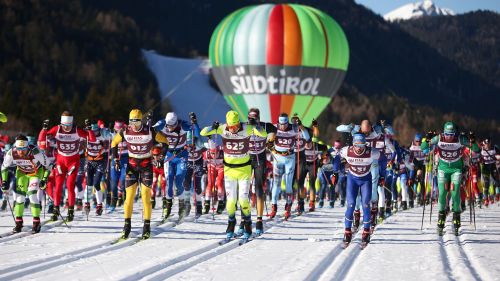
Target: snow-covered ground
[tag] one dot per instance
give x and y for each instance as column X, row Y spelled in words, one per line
column 306, row 247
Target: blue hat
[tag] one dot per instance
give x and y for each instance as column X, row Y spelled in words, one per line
column 418, row 137
column 359, row 140
column 283, row 120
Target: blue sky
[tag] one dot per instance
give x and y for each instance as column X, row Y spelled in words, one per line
column 458, row 6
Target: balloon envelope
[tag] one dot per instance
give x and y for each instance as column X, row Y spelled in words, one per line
column 3, row 118
column 279, row 58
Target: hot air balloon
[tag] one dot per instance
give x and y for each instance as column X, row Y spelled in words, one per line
column 3, row 118
column 279, row 58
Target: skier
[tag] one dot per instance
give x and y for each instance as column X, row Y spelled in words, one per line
column 139, row 140
column 417, row 175
column 117, row 172
column 96, row 166
column 450, row 152
column 194, row 172
column 214, row 157
column 177, row 134
column 67, row 137
column 314, row 150
column 33, row 169
column 258, row 156
column 237, row 166
column 282, row 147
column 361, row 158
column 339, row 170
column 489, row 172
column 158, row 174
column 327, row 181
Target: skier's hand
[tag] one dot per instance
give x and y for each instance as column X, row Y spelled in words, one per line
column 5, row 187
column 45, row 124
column 215, row 125
column 43, row 184
column 117, row 164
column 314, row 123
column 87, row 124
column 192, row 116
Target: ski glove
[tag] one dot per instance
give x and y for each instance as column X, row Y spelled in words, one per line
column 215, row 125
column 192, row 116
column 43, row 184
column 45, row 124
column 87, row 124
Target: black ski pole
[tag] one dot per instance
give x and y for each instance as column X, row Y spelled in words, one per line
column 10, row 207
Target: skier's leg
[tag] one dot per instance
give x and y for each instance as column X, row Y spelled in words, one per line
column 352, row 190
column 366, row 190
column 146, row 181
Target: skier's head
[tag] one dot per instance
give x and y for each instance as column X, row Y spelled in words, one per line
column 21, row 145
column 389, row 131
column 156, row 150
column 135, row 119
column 449, row 131
column 366, row 127
column 472, row 136
column 118, row 126
column 337, row 144
column 254, row 113
column 66, row 121
column 283, row 121
column 171, row 121
column 232, row 121
column 418, row 138
column 94, row 126
column 359, row 142
column 487, row 143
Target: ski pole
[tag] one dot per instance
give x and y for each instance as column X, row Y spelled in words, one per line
column 423, row 209
column 10, row 207
column 44, row 203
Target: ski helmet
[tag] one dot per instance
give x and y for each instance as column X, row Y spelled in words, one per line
column 418, row 137
column 135, row 114
column 359, row 139
column 171, row 119
column 232, row 118
column 449, row 128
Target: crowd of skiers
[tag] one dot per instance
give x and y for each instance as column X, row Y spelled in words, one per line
column 242, row 165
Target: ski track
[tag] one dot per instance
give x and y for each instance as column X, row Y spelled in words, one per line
column 306, row 247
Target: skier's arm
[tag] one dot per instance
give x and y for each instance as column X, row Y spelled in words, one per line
column 86, row 134
column 345, row 128
column 209, row 130
column 42, row 136
column 115, row 142
column 7, row 162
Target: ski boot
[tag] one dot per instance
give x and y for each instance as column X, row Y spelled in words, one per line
column 146, row 230
column 153, row 202
column 274, row 210
column 98, row 210
column 182, row 210
column 86, row 209
column 36, row 225
column 112, row 206
column 240, row 229
column 230, row 228
column 206, row 207
column 199, row 209
column 332, row 203
column 321, row 203
column 365, row 238
column 300, row 206
column 4, row 205
column 456, row 223
column 55, row 213
column 347, row 237
column 259, row 227
column 357, row 216
column 127, row 227
column 248, row 230
column 19, row 225
column 79, row 204
column 288, row 211
column 404, row 206
column 381, row 214
column 394, row 206
column 312, row 206
column 71, row 214
column 220, row 207
column 120, row 199
column 167, row 208
column 441, row 220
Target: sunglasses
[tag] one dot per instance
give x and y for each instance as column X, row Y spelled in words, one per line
column 134, row 120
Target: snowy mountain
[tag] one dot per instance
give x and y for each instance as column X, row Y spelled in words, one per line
column 417, row 10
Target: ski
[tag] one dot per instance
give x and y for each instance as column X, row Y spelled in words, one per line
column 345, row 244
column 119, row 240
column 244, row 241
column 363, row 245
column 225, row 241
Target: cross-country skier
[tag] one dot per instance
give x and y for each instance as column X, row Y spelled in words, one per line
column 214, row 157
column 67, row 137
column 118, row 172
column 33, row 169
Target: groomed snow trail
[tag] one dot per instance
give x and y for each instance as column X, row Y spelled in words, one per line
column 305, row 247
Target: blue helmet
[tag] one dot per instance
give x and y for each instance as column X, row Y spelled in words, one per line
column 418, row 137
column 388, row 130
column 359, row 139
